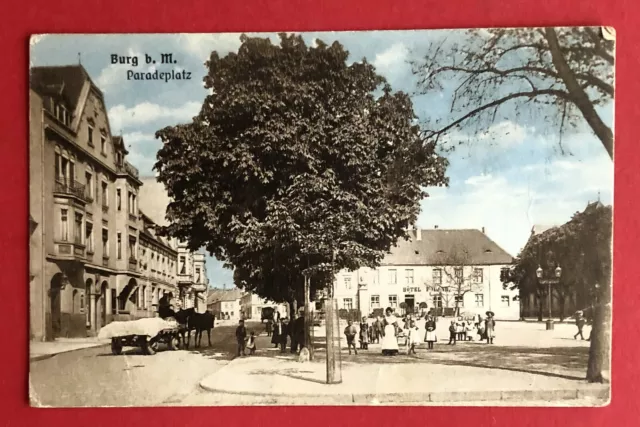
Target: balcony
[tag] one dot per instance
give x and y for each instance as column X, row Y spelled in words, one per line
column 133, row 264
column 129, row 169
column 70, row 251
column 70, row 188
column 133, row 217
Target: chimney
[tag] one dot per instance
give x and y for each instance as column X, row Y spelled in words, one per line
column 483, row 230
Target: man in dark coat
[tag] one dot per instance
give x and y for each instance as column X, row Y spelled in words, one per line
column 299, row 332
column 241, row 335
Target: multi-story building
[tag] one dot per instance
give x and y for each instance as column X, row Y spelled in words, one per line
column 191, row 269
column 225, row 303
column 84, row 216
column 430, row 272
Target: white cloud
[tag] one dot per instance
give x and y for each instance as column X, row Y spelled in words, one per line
column 113, row 75
column 122, row 117
column 392, row 60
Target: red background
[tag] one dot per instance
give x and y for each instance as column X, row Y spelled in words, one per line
column 37, row 16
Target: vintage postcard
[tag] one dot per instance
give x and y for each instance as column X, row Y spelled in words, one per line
column 334, row 218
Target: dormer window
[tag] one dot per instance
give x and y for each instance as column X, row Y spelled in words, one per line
column 62, row 114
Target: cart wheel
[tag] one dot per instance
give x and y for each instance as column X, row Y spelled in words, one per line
column 150, row 347
column 116, row 347
column 173, row 343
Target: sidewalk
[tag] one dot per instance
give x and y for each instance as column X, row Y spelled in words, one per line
column 287, row 381
column 39, row 350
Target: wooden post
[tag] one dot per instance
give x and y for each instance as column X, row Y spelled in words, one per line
column 334, row 372
column 308, row 318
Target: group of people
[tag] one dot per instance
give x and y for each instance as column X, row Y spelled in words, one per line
column 282, row 330
column 387, row 329
column 245, row 342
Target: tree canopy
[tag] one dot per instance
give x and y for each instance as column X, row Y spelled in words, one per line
column 564, row 74
column 295, row 154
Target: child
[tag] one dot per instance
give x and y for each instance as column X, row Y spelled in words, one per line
column 364, row 334
column 414, row 337
column 463, row 333
column 251, row 343
column 469, row 332
column 430, row 336
column 350, row 332
column 452, row 333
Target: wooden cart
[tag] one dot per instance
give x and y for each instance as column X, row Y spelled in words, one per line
column 149, row 345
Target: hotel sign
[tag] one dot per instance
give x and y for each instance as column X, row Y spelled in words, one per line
column 411, row 290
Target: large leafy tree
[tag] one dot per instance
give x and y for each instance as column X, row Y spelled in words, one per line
column 295, row 156
column 582, row 247
column 562, row 75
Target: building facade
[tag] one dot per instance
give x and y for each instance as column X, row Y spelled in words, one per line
column 225, row 303
column 84, row 216
column 429, row 273
column 94, row 257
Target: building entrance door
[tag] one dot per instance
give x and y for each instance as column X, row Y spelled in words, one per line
column 410, row 302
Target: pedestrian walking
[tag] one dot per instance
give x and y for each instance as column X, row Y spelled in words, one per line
column 251, row 343
column 580, row 322
column 350, row 332
column 489, row 327
column 390, row 334
column 453, row 332
column 241, row 335
column 364, row 334
column 275, row 336
column 282, row 337
column 269, row 327
column 299, row 333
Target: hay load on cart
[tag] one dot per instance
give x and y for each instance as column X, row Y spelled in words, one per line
column 144, row 333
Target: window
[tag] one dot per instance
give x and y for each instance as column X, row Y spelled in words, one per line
column 197, row 272
column 77, row 233
column 90, row 137
column 119, row 199
column 348, row 303
column 132, row 248
column 437, row 301
column 143, row 298
column 458, row 271
column 347, row 282
column 504, row 300
column 437, row 277
column 393, row 301
column 478, row 275
column 103, row 144
column 81, row 301
column 88, row 236
column 105, row 195
column 459, row 300
column 408, row 274
column 105, row 243
column 114, row 302
column 375, row 301
column 58, row 171
column 393, row 277
column 183, row 265
column 119, row 246
column 64, row 225
column 88, row 177
column 479, row 300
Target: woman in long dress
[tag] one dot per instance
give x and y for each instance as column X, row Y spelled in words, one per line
column 490, row 325
column 390, row 334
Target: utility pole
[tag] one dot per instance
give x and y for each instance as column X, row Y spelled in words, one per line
column 334, row 371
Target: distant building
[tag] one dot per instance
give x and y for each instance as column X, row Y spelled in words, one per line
column 225, row 303
column 422, row 274
column 252, row 305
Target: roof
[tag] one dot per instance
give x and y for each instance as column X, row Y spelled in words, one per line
column 216, row 295
column 447, row 247
column 149, row 232
column 66, row 81
column 118, row 142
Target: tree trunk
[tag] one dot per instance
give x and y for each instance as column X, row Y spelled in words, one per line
column 577, row 94
column 599, row 348
column 308, row 318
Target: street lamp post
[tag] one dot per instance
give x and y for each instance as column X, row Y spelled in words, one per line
column 549, row 282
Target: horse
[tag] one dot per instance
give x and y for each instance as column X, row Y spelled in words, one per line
column 193, row 320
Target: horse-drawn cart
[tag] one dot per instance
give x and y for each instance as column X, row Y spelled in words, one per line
column 144, row 333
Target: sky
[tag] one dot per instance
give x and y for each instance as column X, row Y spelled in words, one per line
column 507, row 180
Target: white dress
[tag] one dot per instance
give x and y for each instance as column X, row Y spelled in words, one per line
column 390, row 341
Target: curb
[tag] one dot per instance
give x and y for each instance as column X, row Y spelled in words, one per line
column 431, row 397
column 39, row 357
